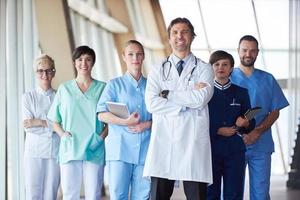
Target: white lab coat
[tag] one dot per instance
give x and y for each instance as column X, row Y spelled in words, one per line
column 180, row 144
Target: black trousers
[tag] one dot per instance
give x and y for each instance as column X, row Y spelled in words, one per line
column 162, row 189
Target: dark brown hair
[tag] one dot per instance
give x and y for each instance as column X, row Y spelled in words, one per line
column 249, row 38
column 218, row 55
column 180, row 20
column 81, row 50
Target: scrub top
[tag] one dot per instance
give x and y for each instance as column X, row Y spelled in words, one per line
column 76, row 112
column 120, row 143
column 265, row 92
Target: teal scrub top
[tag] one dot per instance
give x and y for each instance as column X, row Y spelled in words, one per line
column 76, row 112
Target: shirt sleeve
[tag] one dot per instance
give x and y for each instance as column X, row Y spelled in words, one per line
column 278, row 99
column 26, row 107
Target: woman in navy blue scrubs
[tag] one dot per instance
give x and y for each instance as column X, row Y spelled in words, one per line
column 227, row 126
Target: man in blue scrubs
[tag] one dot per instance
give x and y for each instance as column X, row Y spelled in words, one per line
column 265, row 92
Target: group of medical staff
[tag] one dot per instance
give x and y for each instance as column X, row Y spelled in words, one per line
column 186, row 124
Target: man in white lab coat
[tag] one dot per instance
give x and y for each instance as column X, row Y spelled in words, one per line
column 177, row 93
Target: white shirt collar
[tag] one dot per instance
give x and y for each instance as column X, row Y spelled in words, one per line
column 176, row 59
column 46, row 93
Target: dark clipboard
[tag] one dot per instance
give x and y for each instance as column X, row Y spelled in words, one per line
column 252, row 112
column 118, row 109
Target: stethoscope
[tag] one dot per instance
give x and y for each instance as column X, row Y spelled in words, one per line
column 168, row 62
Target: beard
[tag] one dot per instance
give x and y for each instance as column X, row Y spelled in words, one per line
column 248, row 62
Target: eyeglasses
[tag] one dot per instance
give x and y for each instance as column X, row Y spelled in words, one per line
column 47, row 71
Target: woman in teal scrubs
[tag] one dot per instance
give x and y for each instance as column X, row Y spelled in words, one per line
column 81, row 151
column 128, row 139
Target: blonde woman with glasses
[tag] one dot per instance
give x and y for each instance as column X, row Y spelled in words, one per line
column 41, row 144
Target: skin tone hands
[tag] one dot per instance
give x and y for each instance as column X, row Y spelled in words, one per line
column 62, row 133
column 229, row 131
column 134, row 124
column 140, row 127
column 255, row 134
column 199, row 85
column 104, row 133
column 29, row 123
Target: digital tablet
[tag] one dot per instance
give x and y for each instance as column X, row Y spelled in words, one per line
column 250, row 114
column 118, row 109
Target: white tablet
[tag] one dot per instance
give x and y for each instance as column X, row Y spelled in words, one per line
column 118, row 109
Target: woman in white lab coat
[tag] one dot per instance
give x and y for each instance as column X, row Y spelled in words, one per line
column 180, row 145
column 41, row 143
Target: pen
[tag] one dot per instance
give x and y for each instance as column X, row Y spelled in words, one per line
column 239, row 134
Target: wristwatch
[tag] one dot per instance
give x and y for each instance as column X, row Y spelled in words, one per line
column 165, row 93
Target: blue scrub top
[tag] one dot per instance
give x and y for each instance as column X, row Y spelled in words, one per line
column 265, row 92
column 121, row 144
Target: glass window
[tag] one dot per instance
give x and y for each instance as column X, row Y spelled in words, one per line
column 273, row 22
column 225, row 23
column 89, row 33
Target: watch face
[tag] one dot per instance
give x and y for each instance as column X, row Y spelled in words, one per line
column 165, row 93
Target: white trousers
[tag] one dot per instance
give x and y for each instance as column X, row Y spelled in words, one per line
column 72, row 175
column 41, row 178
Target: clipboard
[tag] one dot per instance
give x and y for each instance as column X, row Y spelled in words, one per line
column 250, row 113
column 118, row 109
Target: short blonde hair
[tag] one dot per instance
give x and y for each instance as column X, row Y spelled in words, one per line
column 42, row 60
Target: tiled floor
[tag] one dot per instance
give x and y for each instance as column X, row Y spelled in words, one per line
column 278, row 190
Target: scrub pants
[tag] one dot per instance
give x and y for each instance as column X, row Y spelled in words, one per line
column 259, row 166
column 123, row 176
column 230, row 167
column 41, row 178
column 72, row 175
